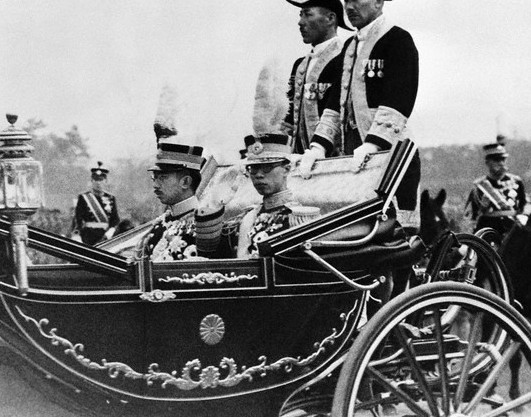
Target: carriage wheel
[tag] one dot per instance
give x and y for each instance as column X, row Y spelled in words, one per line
column 428, row 371
column 464, row 257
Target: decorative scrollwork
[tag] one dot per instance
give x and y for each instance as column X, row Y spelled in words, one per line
column 209, row 278
column 193, row 375
column 157, row 296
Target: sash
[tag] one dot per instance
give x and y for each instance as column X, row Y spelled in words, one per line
column 95, row 208
column 497, row 199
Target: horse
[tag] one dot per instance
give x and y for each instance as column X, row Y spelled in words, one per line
column 515, row 251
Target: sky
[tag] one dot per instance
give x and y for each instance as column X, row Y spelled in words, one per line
column 101, row 65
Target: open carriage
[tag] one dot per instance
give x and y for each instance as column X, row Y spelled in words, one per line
column 294, row 332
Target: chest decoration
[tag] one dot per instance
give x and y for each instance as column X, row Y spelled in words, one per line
column 177, row 241
column 315, row 91
column 373, row 68
column 265, row 225
column 107, row 203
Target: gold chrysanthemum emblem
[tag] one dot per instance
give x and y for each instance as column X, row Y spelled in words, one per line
column 212, row 329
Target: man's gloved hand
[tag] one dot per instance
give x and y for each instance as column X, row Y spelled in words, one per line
column 109, row 233
column 308, row 160
column 360, row 153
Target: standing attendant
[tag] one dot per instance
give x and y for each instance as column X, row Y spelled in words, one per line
column 369, row 108
column 312, row 76
column 96, row 214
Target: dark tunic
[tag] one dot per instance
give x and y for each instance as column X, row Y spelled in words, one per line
column 308, row 93
column 495, row 203
column 85, row 221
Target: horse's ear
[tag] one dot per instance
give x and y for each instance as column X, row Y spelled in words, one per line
column 424, row 198
column 441, row 197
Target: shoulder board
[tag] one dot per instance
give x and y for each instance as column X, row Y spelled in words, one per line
column 514, row 177
column 480, row 179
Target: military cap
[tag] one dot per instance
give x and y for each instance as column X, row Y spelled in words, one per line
column 495, row 150
column 99, row 172
column 267, row 149
column 172, row 155
column 332, row 5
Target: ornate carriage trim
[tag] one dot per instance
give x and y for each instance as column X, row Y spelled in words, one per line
column 212, row 329
column 209, row 278
column 193, row 375
column 157, row 296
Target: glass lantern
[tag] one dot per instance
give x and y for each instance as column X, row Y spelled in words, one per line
column 21, row 192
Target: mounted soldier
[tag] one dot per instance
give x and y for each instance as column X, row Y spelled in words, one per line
column 498, row 197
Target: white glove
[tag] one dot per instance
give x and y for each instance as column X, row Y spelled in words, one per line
column 308, row 160
column 109, row 233
column 221, row 196
column 360, row 153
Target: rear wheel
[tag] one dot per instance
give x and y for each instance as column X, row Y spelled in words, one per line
column 408, row 359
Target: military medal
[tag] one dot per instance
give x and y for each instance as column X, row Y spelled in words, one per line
column 372, row 65
column 380, row 68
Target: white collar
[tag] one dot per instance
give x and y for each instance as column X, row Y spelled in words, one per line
column 183, row 206
column 364, row 31
column 319, row 48
column 277, row 199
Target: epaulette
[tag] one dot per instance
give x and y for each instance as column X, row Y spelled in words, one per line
column 514, row 177
column 480, row 179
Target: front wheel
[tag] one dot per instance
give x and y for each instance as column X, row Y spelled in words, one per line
column 405, row 358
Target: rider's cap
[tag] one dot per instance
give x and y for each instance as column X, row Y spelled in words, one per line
column 495, row 150
column 99, row 173
column 332, row 5
column 268, row 148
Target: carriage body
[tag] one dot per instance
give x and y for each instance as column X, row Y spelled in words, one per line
column 126, row 336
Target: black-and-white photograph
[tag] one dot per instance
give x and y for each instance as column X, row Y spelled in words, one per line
column 292, row 208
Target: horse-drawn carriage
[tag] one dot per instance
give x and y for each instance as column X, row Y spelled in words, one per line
column 304, row 329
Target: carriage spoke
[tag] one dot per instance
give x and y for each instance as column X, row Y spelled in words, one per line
column 417, row 371
column 511, row 405
column 382, row 380
column 442, row 361
column 493, row 376
column 467, row 362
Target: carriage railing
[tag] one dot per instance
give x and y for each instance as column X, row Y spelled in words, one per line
column 305, row 236
column 72, row 251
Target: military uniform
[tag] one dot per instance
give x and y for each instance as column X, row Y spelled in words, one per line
column 496, row 198
column 94, row 215
column 375, row 97
column 172, row 237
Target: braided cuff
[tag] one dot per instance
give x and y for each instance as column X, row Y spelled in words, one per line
column 329, row 126
column 388, row 124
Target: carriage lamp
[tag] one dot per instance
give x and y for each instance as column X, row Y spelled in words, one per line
column 21, row 192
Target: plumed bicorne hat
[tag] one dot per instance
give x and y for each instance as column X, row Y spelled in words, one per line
column 268, row 145
column 172, row 155
column 332, row 5
column 99, row 172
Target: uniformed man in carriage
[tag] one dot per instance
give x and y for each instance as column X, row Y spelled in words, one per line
column 96, row 214
column 176, row 176
column 498, row 197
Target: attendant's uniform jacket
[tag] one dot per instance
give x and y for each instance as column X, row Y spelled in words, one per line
column 495, row 203
column 173, row 235
column 94, row 215
column 309, row 92
column 375, row 97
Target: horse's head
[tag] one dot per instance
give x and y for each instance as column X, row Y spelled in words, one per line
column 433, row 221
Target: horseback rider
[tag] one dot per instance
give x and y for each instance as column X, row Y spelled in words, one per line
column 498, row 197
